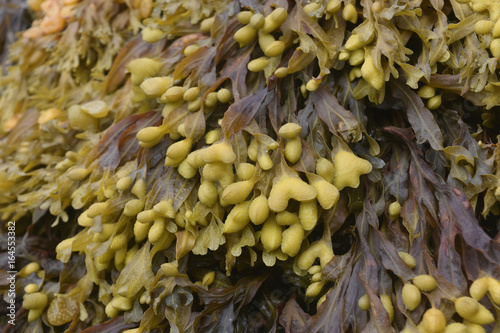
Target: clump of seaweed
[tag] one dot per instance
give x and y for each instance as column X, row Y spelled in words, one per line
column 252, row 166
